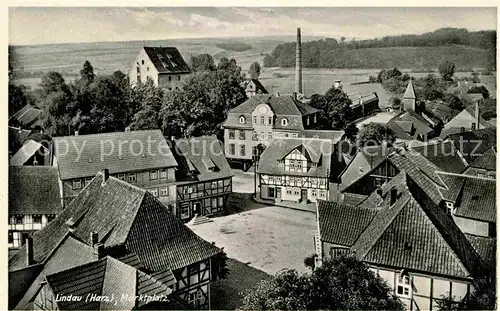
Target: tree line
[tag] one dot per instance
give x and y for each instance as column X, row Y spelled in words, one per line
column 329, row 53
column 107, row 103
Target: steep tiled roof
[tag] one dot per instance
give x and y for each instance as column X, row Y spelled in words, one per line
column 443, row 155
column 418, row 237
column 26, row 152
column 167, row 59
column 486, row 161
column 485, row 247
column 34, row 190
column 106, row 277
column 319, row 151
column 342, row 224
column 85, row 155
column 123, row 214
column 366, row 98
column 201, row 153
column 70, row 252
column 474, row 197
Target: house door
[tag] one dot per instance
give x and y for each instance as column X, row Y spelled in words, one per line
column 184, row 207
column 303, row 195
column 196, row 210
column 278, row 192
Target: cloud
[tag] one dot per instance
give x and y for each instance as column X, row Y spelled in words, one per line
column 57, row 25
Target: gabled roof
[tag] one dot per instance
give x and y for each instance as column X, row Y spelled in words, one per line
column 474, row 197
column 28, row 116
column 25, row 153
column 123, row 215
column 282, row 106
column 415, row 165
column 85, row 155
column 444, row 155
column 320, row 151
column 486, row 248
column 410, row 91
column 403, row 124
column 258, row 86
column 34, row 190
column 407, row 233
column 167, row 59
column 406, row 236
column 205, row 155
column 356, row 99
column 106, row 277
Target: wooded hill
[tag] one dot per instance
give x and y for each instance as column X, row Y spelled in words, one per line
column 466, row 49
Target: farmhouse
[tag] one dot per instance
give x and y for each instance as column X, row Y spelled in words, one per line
column 469, row 119
column 204, row 178
column 162, row 65
column 31, row 153
column 364, row 105
column 261, row 118
column 142, row 158
column 253, row 86
column 127, row 223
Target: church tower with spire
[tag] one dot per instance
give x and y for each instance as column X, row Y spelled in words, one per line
column 409, row 98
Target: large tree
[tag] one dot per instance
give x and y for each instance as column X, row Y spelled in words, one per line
column 201, row 105
column 335, row 108
column 254, row 70
column 447, row 69
column 375, row 134
column 202, row 62
column 150, row 99
column 342, row 283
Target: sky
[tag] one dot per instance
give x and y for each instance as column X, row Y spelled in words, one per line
column 38, row 25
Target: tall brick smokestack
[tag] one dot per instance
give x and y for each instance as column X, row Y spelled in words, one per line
column 298, row 65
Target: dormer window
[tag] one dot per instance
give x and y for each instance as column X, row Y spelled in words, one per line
column 242, row 120
column 284, row 121
column 450, row 208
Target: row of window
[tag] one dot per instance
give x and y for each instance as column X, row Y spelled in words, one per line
column 201, row 187
column 314, row 192
column 232, row 150
column 130, row 177
column 36, row 219
column 232, row 134
column 163, row 192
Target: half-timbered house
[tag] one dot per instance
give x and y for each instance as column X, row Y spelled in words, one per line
column 132, row 226
column 142, row 158
column 204, row 178
column 296, row 169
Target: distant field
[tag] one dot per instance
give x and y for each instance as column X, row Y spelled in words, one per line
column 107, row 57
column 234, row 46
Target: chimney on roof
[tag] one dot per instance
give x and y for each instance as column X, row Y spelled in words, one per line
column 71, row 224
column 127, row 129
column 29, row 251
column 76, row 133
column 338, row 84
column 379, row 191
column 294, row 95
column 394, row 193
column 298, row 64
column 94, row 238
column 277, row 94
column 105, row 175
column 99, row 252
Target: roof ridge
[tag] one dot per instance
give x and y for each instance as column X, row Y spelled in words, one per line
column 465, row 176
column 107, row 133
